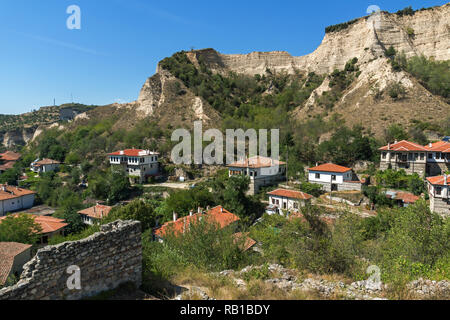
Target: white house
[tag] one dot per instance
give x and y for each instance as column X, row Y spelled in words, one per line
column 45, row 165
column 439, row 192
column 94, row 214
column 263, row 171
column 14, row 199
column 287, row 200
column 333, row 177
column 139, row 164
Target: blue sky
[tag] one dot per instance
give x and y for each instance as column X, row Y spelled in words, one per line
column 121, row 41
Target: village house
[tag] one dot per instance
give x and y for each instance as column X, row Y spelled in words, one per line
column 8, row 159
column 439, row 192
column 139, row 164
column 14, row 198
column 290, row 200
column 438, row 158
column 401, row 198
column 50, row 226
column 13, row 256
column 218, row 215
column 263, row 171
column 334, row 177
column 432, row 159
column 94, row 214
column 45, row 165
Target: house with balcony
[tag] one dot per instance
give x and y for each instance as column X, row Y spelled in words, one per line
column 45, row 165
column 139, row 164
column 405, row 155
column 439, row 192
column 94, row 214
column 289, row 200
column 438, row 158
column 430, row 160
column 263, row 171
column 334, row 177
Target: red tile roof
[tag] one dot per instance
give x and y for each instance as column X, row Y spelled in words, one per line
column 406, row 197
column 256, row 162
column 48, row 224
column 132, row 152
column 97, row 212
column 330, row 167
column 404, row 146
column 10, row 156
column 46, row 162
column 7, row 165
column 438, row 180
column 218, row 214
column 247, row 241
column 11, row 192
column 290, row 194
column 8, row 251
column 440, row 146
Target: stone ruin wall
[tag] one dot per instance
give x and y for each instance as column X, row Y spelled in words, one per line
column 106, row 259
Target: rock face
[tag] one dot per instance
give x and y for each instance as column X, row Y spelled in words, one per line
column 366, row 39
column 17, row 137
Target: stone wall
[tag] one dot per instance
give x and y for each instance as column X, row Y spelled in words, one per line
column 440, row 205
column 106, row 259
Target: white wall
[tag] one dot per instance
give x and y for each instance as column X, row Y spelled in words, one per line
column 289, row 202
column 326, row 177
column 15, row 204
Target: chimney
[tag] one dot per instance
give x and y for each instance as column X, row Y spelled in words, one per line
column 175, row 216
column 395, row 142
column 445, row 179
column 221, row 209
column 389, row 146
column 208, row 208
column 191, row 213
column 101, row 214
column 95, row 209
column 199, row 210
column 430, row 145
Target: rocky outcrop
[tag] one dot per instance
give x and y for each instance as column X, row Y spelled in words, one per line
column 18, row 137
column 366, row 39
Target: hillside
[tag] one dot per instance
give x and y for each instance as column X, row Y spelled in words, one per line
column 351, row 79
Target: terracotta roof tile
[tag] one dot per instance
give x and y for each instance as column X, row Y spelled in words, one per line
column 218, row 214
column 330, row 167
column 46, row 162
column 97, row 212
column 247, row 241
column 440, row 146
column 438, row 180
column 256, row 162
column 133, row 153
column 48, row 224
column 11, row 192
column 10, row 156
column 404, row 146
column 290, row 194
column 8, row 251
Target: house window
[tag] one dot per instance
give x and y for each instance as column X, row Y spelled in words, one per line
column 317, row 175
column 438, row 155
column 333, row 177
column 416, row 156
column 438, row 191
column 421, row 156
column 410, row 156
column 430, row 156
column 383, row 155
column 273, row 201
column 295, row 205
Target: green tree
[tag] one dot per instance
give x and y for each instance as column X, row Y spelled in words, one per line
column 19, row 228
